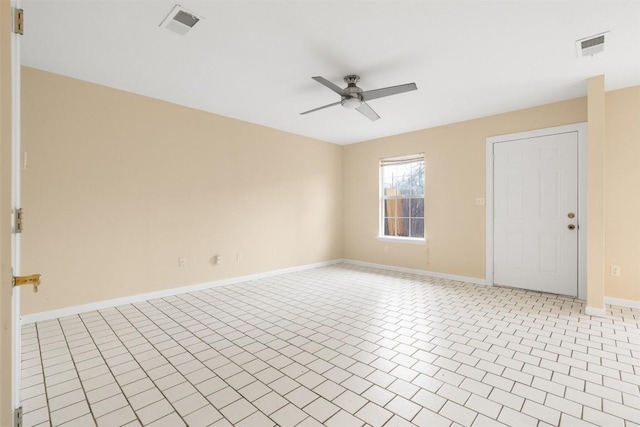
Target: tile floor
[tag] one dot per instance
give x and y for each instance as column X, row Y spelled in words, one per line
column 339, row 346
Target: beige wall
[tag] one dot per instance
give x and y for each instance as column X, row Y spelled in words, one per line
column 5, row 214
column 622, row 193
column 118, row 186
column 596, row 107
column 455, row 176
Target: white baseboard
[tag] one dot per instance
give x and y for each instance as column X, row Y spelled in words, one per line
column 100, row 305
column 465, row 279
column 630, row 303
column 595, row 311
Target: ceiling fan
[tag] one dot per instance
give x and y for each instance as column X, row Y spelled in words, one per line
column 355, row 98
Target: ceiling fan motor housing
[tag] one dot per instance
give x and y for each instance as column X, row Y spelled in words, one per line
column 351, row 79
column 352, row 98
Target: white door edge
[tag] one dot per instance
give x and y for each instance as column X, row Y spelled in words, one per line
column 581, row 130
column 16, row 333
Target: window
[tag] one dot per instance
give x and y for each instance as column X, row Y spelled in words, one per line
column 402, row 197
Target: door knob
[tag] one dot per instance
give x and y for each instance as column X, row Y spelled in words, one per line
column 571, row 226
column 571, row 215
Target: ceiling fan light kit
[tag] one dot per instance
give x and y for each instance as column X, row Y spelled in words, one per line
column 355, row 98
column 352, row 99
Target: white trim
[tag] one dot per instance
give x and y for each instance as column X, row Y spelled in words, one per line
column 16, row 330
column 413, row 241
column 594, row 311
column 435, row 274
column 630, row 303
column 581, row 129
column 100, row 305
column 382, row 197
column 489, row 214
column 582, row 210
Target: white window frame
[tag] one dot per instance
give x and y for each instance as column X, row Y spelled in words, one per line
column 381, row 199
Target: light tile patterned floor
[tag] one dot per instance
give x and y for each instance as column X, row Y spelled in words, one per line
column 340, row 346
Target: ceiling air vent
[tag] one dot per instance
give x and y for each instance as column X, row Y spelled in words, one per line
column 590, row 46
column 180, row 20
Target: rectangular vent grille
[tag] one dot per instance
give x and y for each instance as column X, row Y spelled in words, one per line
column 186, row 18
column 180, row 20
column 592, row 42
column 589, row 46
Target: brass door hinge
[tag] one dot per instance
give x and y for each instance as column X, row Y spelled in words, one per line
column 18, row 21
column 33, row 279
column 17, row 228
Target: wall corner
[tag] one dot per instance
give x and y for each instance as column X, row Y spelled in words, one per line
column 595, row 193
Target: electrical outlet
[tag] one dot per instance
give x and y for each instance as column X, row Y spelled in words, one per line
column 182, row 261
column 479, row 201
column 217, row 260
column 615, row 270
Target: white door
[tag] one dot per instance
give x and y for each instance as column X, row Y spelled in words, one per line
column 535, row 202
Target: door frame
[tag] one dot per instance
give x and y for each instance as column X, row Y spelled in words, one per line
column 581, row 130
column 16, row 111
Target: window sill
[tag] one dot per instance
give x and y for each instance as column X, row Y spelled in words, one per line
column 410, row 240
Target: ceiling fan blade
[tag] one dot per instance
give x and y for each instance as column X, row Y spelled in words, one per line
column 368, row 112
column 320, row 108
column 327, row 83
column 387, row 91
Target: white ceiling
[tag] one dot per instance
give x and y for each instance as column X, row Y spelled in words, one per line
column 253, row 60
